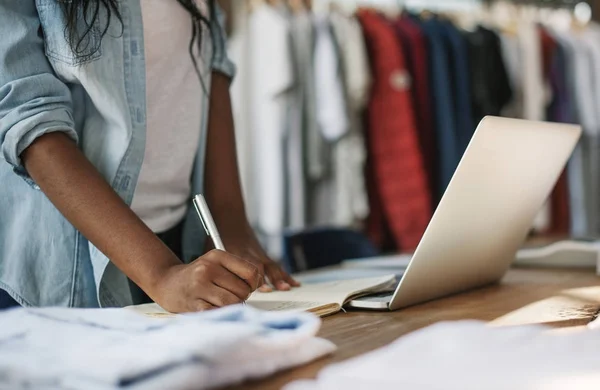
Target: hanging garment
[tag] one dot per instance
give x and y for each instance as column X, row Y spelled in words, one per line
column 490, row 84
column 301, row 123
column 589, row 39
column 303, row 33
column 535, row 92
column 414, row 48
column 554, row 72
column 397, row 164
column 332, row 117
column 534, row 89
column 560, row 108
column 513, row 60
column 316, row 159
column 349, row 154
column 443, row 108
column 582, row 96
column 240, row 51
column 575, row 180
column 272, row 78
column 458, row 55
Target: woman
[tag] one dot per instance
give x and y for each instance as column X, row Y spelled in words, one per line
column 107, row 127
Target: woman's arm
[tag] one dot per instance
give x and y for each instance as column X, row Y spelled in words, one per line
column 223, row 190
column 82, row 195
column 37, row 139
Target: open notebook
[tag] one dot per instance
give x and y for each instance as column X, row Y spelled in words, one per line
column 320, row 298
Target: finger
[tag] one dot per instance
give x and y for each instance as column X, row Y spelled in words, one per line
column 220, row 297
column 202, row 305
column 265, row 288
column 275, row 275
column 233, row 284
column 290, row 280
column 245, row 270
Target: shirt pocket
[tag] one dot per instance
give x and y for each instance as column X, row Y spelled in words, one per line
column 56, row 35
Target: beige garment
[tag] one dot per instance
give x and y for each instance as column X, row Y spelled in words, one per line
column 535, row 91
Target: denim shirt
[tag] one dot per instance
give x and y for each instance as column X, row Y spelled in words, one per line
column 99, row 101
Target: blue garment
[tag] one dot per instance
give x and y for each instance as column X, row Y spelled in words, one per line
column 443, row 108
column 99, row 101
column 458, row 55
column 561, row 107
column 322, row 247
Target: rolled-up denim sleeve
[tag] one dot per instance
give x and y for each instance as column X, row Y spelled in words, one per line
column 220, row 61
column 33, row 101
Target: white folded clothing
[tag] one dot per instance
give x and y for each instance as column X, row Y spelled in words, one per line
column 469, row 355
column 58, row 348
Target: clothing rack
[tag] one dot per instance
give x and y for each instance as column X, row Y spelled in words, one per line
column 491, row 61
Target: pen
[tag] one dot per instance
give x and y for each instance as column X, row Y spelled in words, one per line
column 207, row 221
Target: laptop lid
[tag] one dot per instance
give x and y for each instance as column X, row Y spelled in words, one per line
column 507, row 172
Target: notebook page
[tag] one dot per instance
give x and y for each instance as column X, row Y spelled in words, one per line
column 322, row 293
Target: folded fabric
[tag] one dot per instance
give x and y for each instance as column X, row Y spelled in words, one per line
column 101, row 349
column 469, row 355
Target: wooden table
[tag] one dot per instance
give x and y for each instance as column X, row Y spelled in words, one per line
column 558, row 298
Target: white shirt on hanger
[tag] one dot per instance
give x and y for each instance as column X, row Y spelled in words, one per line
column 331, row 104
column 271, row 76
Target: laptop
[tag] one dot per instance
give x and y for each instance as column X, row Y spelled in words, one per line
column 507, row 172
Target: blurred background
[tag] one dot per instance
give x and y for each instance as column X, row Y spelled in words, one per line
column 353, row 115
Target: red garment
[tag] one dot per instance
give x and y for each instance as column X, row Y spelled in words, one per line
column 559, row 199
column 414, row 47
column 395, row 159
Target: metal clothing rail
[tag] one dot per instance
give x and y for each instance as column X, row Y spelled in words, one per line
column 441, row 5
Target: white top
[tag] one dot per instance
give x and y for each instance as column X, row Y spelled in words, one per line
column 271, row 77
column 174, row 95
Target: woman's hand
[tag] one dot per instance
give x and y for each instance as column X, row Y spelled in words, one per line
column 248, row 248
column 214, row 280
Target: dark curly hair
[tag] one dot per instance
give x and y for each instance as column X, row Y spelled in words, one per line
column 87, row 11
